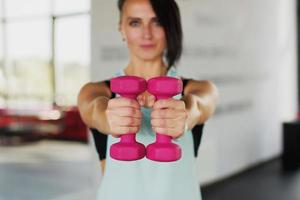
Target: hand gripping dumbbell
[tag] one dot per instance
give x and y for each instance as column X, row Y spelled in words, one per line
column 128, row 148
column 163, row 150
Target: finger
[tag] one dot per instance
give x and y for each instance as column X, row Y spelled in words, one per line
column 150, row 100
column 166, row 131
column 169, row 103
column 167, row 114
column 122, row 102
column 126, row 112
column 172, row 132
column 125, row 121
column 141, row 100
column 163, row 123
column 126, row 129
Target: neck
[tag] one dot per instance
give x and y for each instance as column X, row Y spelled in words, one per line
column 146, row 69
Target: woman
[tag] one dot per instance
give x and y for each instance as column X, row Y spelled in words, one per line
column 153, row 33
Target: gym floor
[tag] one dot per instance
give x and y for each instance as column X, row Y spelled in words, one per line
column 264, row 182
column 47, row 170
column 53, row 170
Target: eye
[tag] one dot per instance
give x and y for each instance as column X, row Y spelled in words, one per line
column 134, row 23
column 157, row 22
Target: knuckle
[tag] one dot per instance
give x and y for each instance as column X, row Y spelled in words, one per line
column 129, row 101
column 131, row 121
column 133, row 103
column 131, row 111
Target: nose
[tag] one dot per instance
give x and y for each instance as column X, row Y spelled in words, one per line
column 147, row 33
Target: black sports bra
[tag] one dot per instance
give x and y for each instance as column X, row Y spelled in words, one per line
column 101, row 139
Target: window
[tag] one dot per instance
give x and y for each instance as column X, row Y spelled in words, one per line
column 71, row 57
column 28, row 63
column 62, row 7
column 2, row 78
column 46, row 54
column 20, row 9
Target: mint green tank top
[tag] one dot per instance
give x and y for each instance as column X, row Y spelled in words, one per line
column 149, row 180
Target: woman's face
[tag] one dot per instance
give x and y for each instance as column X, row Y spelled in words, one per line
column 142, row 31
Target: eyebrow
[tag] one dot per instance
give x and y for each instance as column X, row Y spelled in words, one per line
column 133, row 18
column 137, row 18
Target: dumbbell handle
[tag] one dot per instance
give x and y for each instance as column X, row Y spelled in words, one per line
column 128, row 137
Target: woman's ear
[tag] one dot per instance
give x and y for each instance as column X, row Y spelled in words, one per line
column 121, row 31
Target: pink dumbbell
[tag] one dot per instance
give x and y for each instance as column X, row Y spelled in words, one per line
column 128, row 148
column 163, row 149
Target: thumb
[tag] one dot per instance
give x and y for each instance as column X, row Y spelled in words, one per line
column 141, row 100
column 150, row 101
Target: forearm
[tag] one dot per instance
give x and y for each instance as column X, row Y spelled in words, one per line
column 93, row 114
column 200, row 108
column 192, row 111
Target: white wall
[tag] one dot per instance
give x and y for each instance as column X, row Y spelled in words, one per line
column 248, row 48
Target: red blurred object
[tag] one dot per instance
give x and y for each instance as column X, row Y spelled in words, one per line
column 74, row 128
column 57, row 123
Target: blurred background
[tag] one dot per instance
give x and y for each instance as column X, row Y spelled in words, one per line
column 50, row 48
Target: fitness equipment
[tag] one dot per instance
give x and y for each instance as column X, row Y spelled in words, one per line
column 163, row 150
column 128, row 149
